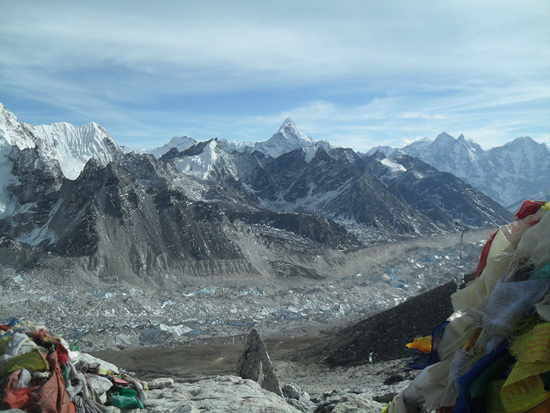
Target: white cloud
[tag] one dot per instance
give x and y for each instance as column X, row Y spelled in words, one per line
column 352, row 71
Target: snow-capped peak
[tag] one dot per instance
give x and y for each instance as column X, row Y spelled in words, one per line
column 506, row 173
column 287, row 139
column 206, row 160
column 288, row 123
column 290, row 132
column 181, row 143
column 71, row 146
column 386, row 150
column 524, row 142
column 444, row 145
column 12, row 133
column 444, row 136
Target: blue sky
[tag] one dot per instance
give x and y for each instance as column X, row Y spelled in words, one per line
column 355, row 73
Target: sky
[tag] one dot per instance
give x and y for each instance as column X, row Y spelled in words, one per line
column 355, row 73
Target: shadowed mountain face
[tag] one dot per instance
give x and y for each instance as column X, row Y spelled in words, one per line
column 509, row 174
column 405, row 196
column 336, row 184
column 440, row 196
column 141, row 217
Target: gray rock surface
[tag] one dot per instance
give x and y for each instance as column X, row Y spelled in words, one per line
column 348, row 401
column 160, row 383
column 298, row 398
column 255, row 364
column 357, row 403
column 219, row 394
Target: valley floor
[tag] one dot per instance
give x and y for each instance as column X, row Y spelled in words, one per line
column 192, row 363
column 198, row 332
column 208, row 310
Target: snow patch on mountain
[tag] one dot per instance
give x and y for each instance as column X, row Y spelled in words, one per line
column 310, row 153
column 201, row 165
column 12, row 133
column 393, row 166
column 207, row 161
column 417, row 145
column 6, row 178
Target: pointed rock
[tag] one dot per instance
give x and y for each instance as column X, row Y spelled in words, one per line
column 255, row 364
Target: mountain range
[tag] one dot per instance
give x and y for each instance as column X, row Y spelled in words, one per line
column 509, row 174
column 71, row 197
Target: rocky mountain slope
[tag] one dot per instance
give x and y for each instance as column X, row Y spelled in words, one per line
column 440, row 196
column 71, row 198
column 510, row 173
column 339, row 184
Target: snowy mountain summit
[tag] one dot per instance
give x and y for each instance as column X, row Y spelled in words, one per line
column 287, row 139
column 518, row 170
column 60, row 148
column 71, row 146
column 290, row 132
column 181, row 143
column 205, row 160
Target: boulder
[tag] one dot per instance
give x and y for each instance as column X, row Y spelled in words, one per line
column 255, row 364
column 357, row 403
column 298, row 398
column 160, row 383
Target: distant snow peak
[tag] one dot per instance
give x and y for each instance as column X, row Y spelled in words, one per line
column 236, row 146
column 13, row 133
column 71, row 146
column 287, row 139
column 181, row 143
column 386, row 150
column 444, row 136
column 290, row 132
column 205, row 160
column 524, row 142
column 178, row 141
column 508, row 173
column 288, row 123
